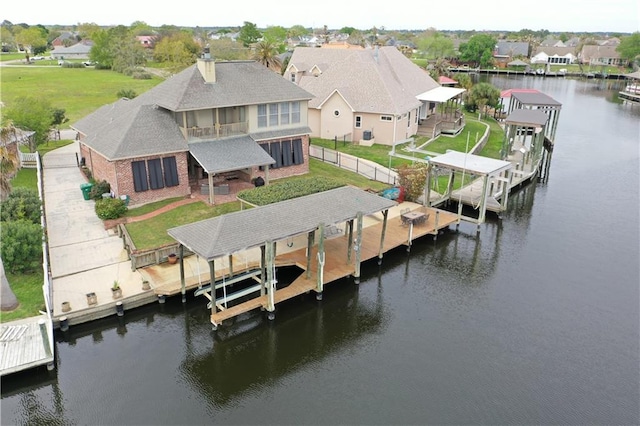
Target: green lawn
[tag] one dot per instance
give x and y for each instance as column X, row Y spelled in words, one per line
column 79, row 91
column 28, row 290
column 377, row 153
column 151, row 233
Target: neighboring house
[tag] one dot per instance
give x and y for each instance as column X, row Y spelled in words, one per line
column 552, row 42
column 554, row 55
column 512, row 49
column 212, row 122
column 505, row 51
column 601, row 55
column 65, row 39
column 362, row 94
column 146, row 41
column 77, row 51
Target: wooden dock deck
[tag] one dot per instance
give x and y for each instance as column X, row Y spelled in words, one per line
column 336, row 266
column 25, row 344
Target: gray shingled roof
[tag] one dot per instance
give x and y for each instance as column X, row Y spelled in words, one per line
column 513, row 48
column 379, row 80
column 227, row 154
column 237, row 83
column 129, row 129
column 233, row 232
column 145, row 125
column 538, row 99
column 281, row 133
column 527, row 117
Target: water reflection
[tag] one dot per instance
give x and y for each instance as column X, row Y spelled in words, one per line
column 249, row 354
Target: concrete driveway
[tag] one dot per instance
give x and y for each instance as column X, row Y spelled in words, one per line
column 84, row 257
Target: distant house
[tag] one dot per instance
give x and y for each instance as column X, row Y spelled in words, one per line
column 79, row 50
column 146, row 41
column 554, row 55
column 212, row 122
column 362, row 94
column 65, row 39
column 505, row 51
column 601, row 55
column 512, row 49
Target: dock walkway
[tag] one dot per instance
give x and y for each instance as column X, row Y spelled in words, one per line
column 25, row 344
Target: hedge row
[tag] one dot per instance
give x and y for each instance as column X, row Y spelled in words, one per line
column 273, row 193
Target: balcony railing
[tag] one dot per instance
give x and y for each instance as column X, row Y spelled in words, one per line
column 217, row 131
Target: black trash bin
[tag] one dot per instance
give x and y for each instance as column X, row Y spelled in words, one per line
column 258, row 181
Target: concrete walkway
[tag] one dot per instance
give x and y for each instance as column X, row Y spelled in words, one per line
column 84, row 257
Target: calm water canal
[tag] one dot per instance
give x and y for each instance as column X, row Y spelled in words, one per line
column 536, row 321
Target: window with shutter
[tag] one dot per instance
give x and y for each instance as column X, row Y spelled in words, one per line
column 170, row 171
column 156, row 180
column 276, row 154
column 298, row 154
column 287, row 154
column 139, row 170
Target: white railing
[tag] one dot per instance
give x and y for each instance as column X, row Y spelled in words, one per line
column 47, row 288
column 29, row 160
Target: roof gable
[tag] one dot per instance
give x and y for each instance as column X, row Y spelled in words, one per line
column 237, row 83
column 379, row 80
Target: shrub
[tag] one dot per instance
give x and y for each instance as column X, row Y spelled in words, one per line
column 73, row 65
column 88, row 174
column 127, row 93
column 413, row 178
column 22, row 203
column 110, row 208
column 99, row 188
column 141, row 75
column 21, row 246
column 287, row 190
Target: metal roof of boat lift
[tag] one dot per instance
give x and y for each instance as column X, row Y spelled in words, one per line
column 527, row 117
column 234, row 232
column 440, row 94
column 475, row 164
column 528, row 98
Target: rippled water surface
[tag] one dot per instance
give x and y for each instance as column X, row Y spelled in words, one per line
column 535, row 320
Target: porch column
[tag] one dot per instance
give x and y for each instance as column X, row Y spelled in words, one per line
column 210, row 177
column 266, row 175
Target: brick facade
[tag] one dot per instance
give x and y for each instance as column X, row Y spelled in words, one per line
column 120, row 175
column 295, row 170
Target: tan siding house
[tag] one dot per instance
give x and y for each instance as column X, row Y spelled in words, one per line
column 363, row 95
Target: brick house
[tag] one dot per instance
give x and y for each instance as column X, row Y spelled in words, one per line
column 212, row 122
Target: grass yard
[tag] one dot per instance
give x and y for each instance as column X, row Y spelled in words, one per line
column 79, row 91
column 151, row 233
column 28, row 290
column 377, row 153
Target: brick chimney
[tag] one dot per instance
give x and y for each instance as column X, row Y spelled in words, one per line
column 207, row 66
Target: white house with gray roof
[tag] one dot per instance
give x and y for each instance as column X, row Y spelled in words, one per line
column 362, row 95
column 210, row 121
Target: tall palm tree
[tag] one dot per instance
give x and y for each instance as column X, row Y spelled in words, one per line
column 8, row 159
column 267, row 54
